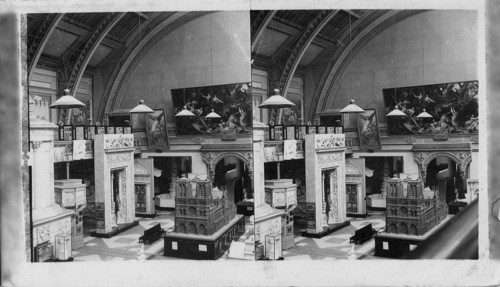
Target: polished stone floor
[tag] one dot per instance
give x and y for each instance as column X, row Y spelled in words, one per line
column 125, row 245
column 336, row 245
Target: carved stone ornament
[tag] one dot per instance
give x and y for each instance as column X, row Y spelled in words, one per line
column 330, row 159
column 118, row 157
column 119, row 141
column 140, row 169
column 328, row 141
column 63, row 227
column 36, row 145
column 213, row 157
column 43, row 233
column 351, row 168
column 462, row 158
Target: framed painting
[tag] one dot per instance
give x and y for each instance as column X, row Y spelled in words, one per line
column 290, row 133
column 312, row 129
column 100, row 130
column 369, row 136
column 156, row 128
column 233, row 102
column 68, row 133
column 349, row 121
column 79, row 133
column 118, row 130
column 453, row 107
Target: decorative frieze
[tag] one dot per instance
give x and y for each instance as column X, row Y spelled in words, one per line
column 119, row 141
column 118, row 157
column 329, row 141
column 330, row 159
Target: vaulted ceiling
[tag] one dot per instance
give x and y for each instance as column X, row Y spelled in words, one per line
column 284, row 42
column 289, row 42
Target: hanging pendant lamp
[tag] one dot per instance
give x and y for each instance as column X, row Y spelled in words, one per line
column 424, row 115
column 66, row 102
column 212, row 115
column 141, row 108
column 396, row 113
column 352, row 108
column 185, row 113
column 276, row 101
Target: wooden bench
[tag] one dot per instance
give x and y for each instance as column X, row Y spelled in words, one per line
column 152, row 234
column 363, row 234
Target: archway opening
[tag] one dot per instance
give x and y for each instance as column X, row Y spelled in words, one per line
column 232, row 175
column 443, row 174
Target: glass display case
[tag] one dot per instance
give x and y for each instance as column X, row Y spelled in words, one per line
column 274, row 250
column 63, row 246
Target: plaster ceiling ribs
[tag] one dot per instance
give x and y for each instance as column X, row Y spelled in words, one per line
column 124, row 73
column 292, row 58
column 70, row 72
column 340, row 61
column 41, row 37
column 259, row 25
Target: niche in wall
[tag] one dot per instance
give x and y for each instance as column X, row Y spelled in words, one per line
column 231, row 174
column 167, row 169
column 379, row 169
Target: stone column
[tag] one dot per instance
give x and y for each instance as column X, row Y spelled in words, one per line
column 258, row 163
column 42, row 159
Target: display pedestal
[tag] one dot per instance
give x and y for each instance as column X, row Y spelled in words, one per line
column 116, row 230
column 326, row 230
column 455, row 207
column 201, row 247
column 393, row 245
column 357, row 215
column 145, row 215
column 245, row 208
column 70, row 194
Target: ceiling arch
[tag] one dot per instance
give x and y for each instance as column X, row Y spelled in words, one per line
column 340, row 62
column 125, row 71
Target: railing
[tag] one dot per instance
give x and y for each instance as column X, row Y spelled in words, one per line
column 456, row 239
column 63, row 146
column 298, row 132
column 70, row 132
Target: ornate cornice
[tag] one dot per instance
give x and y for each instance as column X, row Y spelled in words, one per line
column 442, row 147
column 226, row 147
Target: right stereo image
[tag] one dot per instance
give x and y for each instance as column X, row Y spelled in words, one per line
column 366, row 134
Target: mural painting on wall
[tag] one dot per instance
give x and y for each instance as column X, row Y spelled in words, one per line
column 369, row 137
column 293, row 116
column 233, row 102
column 453, row 106
column 156, row 128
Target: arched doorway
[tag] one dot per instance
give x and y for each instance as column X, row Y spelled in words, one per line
column 444, row 175
column 232, row 175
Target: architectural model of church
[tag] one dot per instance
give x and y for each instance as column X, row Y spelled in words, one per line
column 198, row 211
column 410, row 210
